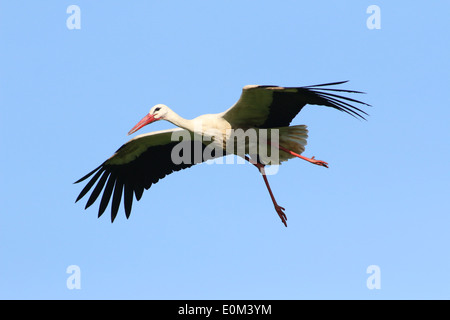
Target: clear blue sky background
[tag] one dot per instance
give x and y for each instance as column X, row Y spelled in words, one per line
column 69, row 97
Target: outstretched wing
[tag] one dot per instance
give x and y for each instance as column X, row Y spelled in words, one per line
column 273, row 106
column 138, row 164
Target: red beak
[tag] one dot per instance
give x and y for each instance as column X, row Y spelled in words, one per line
column 149, row 118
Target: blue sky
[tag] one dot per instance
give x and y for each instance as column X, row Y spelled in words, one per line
column 69, row 97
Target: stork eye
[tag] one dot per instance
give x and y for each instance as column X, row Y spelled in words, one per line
column 157, row 109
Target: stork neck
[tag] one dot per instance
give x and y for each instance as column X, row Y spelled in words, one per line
column 180, row 121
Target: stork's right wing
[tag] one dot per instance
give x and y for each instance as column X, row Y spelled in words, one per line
column 274, row 106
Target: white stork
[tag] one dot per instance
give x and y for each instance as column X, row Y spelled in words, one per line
column 146, row 158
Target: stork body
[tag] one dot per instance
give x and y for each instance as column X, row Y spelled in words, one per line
column 147, row 158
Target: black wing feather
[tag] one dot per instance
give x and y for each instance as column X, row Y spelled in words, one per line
column 116, row 198
column 133, row 177
column 128, row 199
column 292, row 101
column 98, row 188
column 107, row 194
column 89, row 184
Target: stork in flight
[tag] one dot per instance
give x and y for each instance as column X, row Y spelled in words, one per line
column 146, row 158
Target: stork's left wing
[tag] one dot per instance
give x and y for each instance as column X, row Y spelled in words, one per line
column 273, row 106
column 138, row 164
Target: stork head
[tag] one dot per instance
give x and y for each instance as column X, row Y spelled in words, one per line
column 156, row 113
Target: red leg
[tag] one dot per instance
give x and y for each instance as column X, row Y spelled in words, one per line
column 312, row 160
column 278, row 208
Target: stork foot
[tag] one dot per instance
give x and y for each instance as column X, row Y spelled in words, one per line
column 281, row 214
column 319, row 162
column 312, row 159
